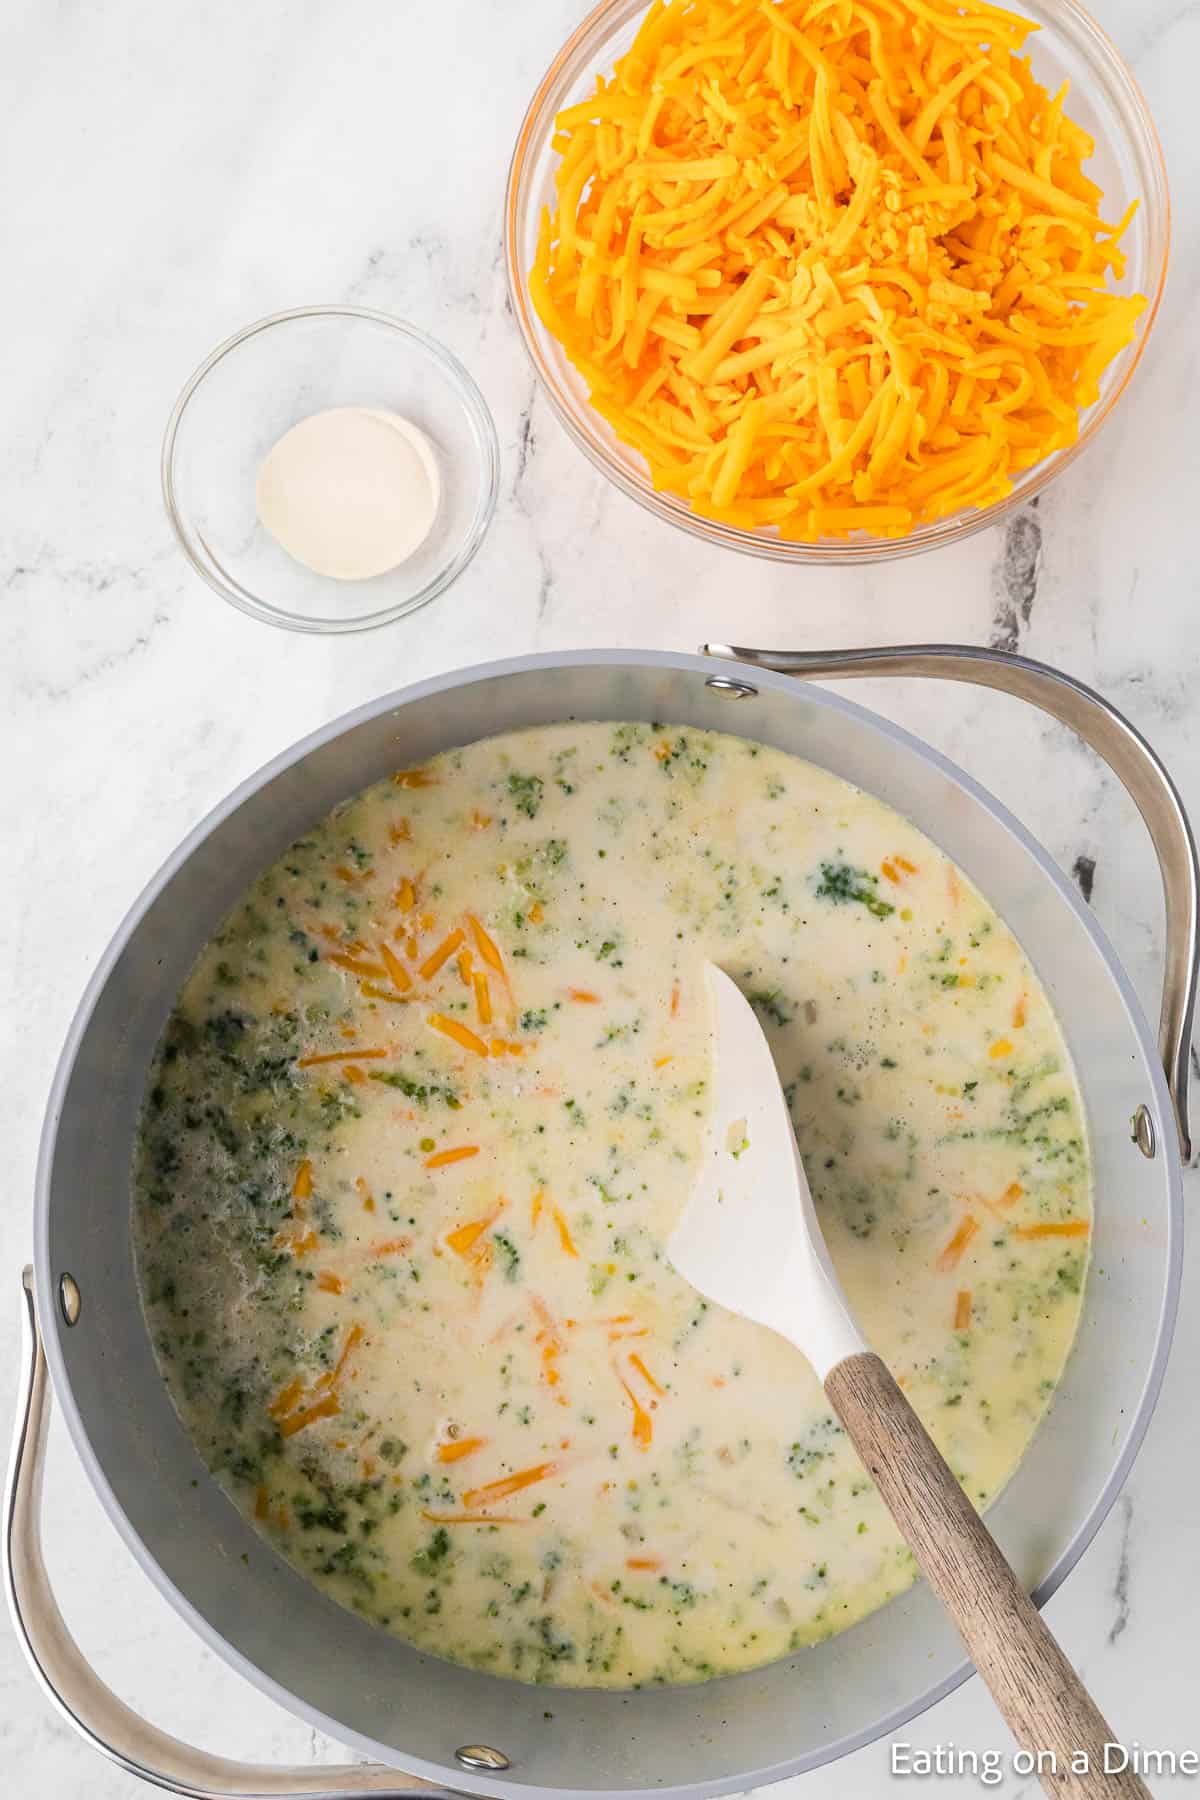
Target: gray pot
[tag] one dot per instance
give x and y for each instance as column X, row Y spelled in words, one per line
column 451, row 1726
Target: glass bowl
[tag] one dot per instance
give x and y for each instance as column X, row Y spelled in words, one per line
column 264, row 380
column 1104, row 99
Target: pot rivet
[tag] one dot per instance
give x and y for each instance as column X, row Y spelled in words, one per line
column 481, row 1756
column 735, row 690
column 1141, row 1130
column 69, row 1298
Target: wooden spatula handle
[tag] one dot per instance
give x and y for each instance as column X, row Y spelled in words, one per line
column 1044, row 1702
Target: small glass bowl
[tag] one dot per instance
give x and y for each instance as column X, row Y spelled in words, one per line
column 264, row 380
column 1104, row 99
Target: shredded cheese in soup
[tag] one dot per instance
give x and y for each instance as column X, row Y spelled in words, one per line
column 426, row 1112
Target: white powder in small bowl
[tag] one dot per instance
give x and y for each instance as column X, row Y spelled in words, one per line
column 351, row 492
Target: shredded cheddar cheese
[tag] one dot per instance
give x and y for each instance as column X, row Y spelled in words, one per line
column 637, row 1363
column 442, row 1159
column 473, row 1518
column 371, row 971
column 483, row 997
column 442, row 954
column 835, row 266
column 325, row 1408
column 1064, row 1228
column 370, row 990
column 643, row 1424
column 952, row 1255
column 508, row 1484
column 286, row 1399
column 400, row 978
column 463, row 1239
column 564, row 1233
column 457, row 1448
column 486, row 945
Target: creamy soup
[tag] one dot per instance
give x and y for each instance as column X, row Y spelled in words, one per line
column 426, row 1112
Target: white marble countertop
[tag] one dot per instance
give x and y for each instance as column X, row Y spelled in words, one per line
column 175, row 171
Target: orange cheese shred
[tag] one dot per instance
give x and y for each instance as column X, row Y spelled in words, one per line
column 508, row 1484
column 324, row 1408
column 485, row 945
column 455, row 1449
column 643, row 1424
column 300, row 1243
column 371, row 991
column 286, row 1399
column 1064, row 1228
column 952, row 1255
column 372, row 971
column 472, row 1518
column 388, row 1247
column 550, row 1343
column 399, row 976
column 354, row 1338
column 463, row 1239
column 564, row 1233
column 832, row 268
column 636, row 1362
column 442, row 954
column 442, row 1159
column 459, row 1033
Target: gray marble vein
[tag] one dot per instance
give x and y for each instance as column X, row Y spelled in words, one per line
column 1084, row 871
column 1015, row 579
column 1122, row 1587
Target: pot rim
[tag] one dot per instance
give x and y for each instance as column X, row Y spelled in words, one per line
column 396, row 700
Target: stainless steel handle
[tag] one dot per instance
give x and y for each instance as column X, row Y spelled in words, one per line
column 73, row 1685
column 1115, row 740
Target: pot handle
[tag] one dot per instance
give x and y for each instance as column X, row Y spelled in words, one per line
column 1118, row 744
column 71, row 1683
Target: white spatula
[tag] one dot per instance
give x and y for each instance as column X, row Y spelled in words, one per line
column 750, row 1240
